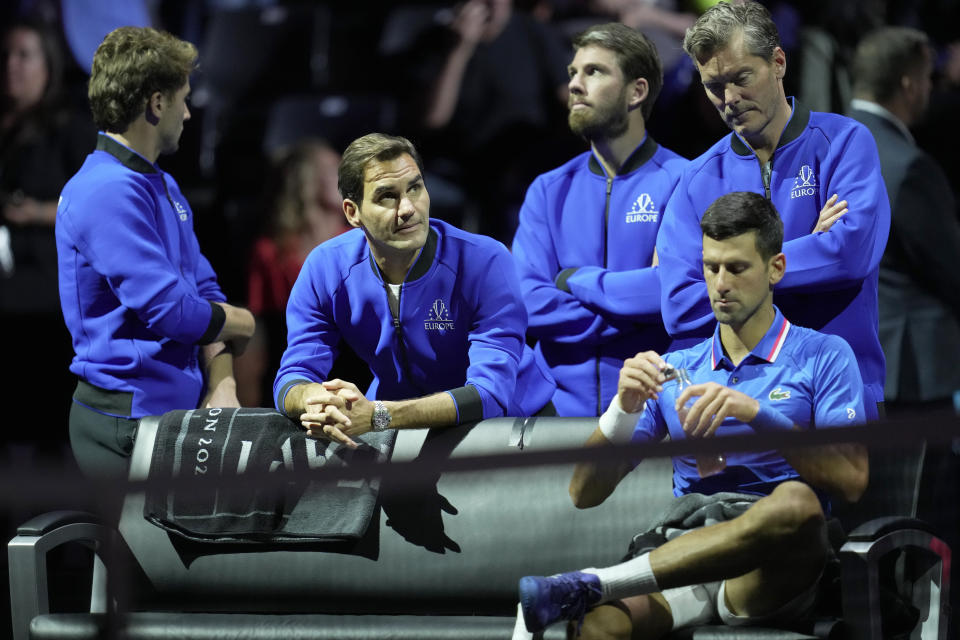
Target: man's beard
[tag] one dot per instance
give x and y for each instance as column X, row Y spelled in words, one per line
column 594, row 123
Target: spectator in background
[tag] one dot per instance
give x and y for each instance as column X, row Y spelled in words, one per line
column 801, row 161
column 919, row 291
column 585, row 243
column 660, row 20
column 304, row 209
column 494, row 86
column 43, row 141
column 151, row 329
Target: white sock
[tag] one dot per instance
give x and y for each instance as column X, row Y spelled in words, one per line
column 692, row 605
column 631, row 578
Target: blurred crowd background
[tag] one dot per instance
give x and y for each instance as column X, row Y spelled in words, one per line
column 282, row 87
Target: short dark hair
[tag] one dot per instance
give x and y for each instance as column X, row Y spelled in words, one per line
column 740, row 212
column 721, row 23
column 883, row 57
column 373, row 146
column 635, row 52
column 130, row 65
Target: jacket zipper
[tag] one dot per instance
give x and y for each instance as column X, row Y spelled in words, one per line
column 606, row 227
column 766, row 171
column 401, row 342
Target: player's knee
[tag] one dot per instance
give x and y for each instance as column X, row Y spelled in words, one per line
column 603, row 623
column 794, row 511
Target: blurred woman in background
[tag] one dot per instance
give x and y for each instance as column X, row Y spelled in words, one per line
column 304, row 210
column 43, row 141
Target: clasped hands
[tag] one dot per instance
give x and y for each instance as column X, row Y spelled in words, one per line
column 642, row 378
column 336, row 410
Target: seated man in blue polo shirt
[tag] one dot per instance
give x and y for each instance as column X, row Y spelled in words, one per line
column 755, row 553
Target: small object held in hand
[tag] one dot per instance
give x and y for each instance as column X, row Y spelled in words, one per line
column 707, row 464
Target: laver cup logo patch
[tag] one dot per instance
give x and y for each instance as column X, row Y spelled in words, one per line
column 805, row 184
column 643, row 210
column 438, row 317
column 181, row 210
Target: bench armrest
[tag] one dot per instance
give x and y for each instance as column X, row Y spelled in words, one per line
column 27, row 559
column 860, row 561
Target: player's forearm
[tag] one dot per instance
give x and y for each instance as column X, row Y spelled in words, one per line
column 437, row 410
column 218, row 365
column 446, row 90
column 592, row 483
column 238, row 324
column 841, row 470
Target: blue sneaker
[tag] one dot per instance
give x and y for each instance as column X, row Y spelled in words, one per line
column 565, row 596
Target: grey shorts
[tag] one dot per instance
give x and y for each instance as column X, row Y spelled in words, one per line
column 706, row 604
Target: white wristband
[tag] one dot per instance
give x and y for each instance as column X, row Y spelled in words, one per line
column 618, row 425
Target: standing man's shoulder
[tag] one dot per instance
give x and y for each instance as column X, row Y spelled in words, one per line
column 669, row 159
column 836, row 128
column 103, row 186
column 895, row 149
column 454, row 241
column 579, row 163
column 709, row 159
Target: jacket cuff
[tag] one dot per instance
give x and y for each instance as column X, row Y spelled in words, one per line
column 562, row 277
column 469, row 403
column 281, row 398
column 218, row 317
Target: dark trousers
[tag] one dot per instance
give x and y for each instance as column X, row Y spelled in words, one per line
column 101, row 444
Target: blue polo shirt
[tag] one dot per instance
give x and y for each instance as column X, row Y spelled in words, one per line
column 810, row 377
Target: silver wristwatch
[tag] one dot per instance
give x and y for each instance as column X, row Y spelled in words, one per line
column 381, row 417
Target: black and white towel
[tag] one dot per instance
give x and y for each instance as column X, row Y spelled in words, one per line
column 221, row 448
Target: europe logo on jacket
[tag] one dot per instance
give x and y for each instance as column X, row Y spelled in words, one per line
column 643, row 210
column 438, row 317
column 805, row 184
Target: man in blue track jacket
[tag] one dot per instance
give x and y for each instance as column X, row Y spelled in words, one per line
column 585, row 243
column 151, row 329
column 434, row 311
column 800, row 160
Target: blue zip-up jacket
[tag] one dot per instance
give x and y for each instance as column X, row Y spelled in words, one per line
column 583, row 248
column 831, row 280
column 460, row 325
column 135, row 290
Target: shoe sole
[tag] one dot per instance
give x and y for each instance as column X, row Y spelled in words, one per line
column 529, row 593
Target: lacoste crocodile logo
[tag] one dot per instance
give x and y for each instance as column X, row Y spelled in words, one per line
column 779, row 394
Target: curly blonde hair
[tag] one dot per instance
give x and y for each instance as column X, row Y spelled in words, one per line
column 130, row 65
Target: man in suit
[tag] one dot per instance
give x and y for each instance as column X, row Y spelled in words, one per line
column 919, row 292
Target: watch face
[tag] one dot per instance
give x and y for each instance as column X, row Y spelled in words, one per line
column 381, row 417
